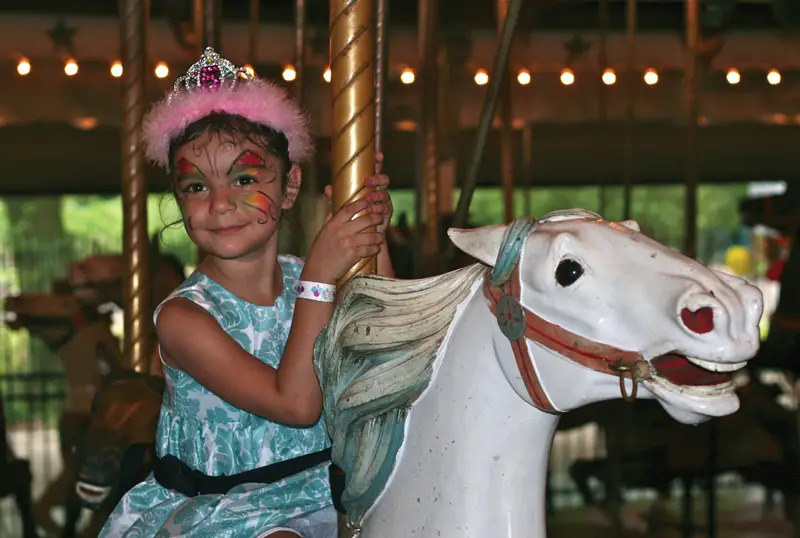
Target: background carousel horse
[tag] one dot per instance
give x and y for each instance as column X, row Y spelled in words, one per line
column 74, row 328
column 69, row 320
column 118, row 447
column 442, row 395
column 99, row 279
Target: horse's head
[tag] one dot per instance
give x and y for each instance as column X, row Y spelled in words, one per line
column 116, row 449
column 98, row 279
column 603, row 295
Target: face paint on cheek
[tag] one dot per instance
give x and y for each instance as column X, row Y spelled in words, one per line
column 262, row 203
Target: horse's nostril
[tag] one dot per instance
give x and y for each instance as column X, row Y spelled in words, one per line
column 701, row 321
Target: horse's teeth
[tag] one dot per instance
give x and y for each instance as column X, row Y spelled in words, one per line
column 92, row 493
column 717, row 366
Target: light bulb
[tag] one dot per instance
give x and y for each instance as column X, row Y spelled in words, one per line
column 24, row 67
column 650, row 77
column 289, row 73
column 161, row 70
column 71, row 68
column 407, row 76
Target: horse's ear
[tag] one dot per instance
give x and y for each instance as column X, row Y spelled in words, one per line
column 481, row 243
column 631, row 225
column 107, row 361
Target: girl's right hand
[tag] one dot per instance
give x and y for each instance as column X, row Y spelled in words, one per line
column 342, row 242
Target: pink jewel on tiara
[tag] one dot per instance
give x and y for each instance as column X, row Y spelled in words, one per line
column 209, row 73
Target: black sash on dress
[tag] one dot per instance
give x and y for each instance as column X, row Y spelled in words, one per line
column 174, row 474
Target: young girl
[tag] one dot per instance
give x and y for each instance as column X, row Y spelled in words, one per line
column 242, row 394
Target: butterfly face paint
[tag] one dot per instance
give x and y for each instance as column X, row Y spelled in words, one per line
column 184, row 167
column 263, row 203
column 249, row 158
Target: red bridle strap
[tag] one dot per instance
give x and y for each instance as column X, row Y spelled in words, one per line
column 588, row 353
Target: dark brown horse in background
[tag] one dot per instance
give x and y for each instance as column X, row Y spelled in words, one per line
column 69, row 320
column 117, row 448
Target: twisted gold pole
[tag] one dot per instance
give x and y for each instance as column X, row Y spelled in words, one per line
column 692, row 112
column 138, row 326
column 506, row 135
column 352, row 49
column 429, row 135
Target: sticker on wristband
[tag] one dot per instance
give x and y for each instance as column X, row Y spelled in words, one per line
column 315, row 291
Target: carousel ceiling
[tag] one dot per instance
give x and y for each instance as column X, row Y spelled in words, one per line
column 60, row 158
column 540, row 14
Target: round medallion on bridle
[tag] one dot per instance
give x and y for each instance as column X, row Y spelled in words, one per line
column 510, row 318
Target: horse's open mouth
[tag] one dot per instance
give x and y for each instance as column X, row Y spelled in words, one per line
column 690, row 372
column 91, row 495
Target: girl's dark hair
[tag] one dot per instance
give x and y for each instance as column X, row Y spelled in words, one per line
column 236, row 129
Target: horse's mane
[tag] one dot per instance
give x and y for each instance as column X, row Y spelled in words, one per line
column 374, row 358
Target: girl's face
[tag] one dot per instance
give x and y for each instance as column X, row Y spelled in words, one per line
column 231, row 195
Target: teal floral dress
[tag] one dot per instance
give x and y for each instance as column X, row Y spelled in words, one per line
column 215, row 437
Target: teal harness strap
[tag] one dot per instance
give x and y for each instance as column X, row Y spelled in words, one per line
column 510, row 248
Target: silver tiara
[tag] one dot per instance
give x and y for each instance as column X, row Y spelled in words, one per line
column 209, row 72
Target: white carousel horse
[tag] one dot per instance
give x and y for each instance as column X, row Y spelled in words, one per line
column 442, row 395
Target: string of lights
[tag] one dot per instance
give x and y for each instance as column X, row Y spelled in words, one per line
column 407, row 76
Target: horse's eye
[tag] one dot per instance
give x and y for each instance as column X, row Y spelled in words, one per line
column 568, row 272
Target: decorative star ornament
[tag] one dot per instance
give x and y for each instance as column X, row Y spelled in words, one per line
column 62, row 37
column 576, row 46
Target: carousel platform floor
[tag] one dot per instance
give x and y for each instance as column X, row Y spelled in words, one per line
column 739, row 515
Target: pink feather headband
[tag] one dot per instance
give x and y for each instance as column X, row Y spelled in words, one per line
column 214, row 84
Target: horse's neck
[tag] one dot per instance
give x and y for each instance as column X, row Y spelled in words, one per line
column 79, row 358
column 475, row 456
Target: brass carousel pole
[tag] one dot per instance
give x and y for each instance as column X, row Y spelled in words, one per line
column 381, row 65
column 527, row 167
column 630, row 111
column 499, row 65
column 428, row 176
column 352, row 49
column 137, row 324
column 252, row 51
column 602, row 92
column 298, row 86
column 212, row 10
column 690, row 196
column 690, row 80
column 506, row 135
column 295, row 217
column 198, row 10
